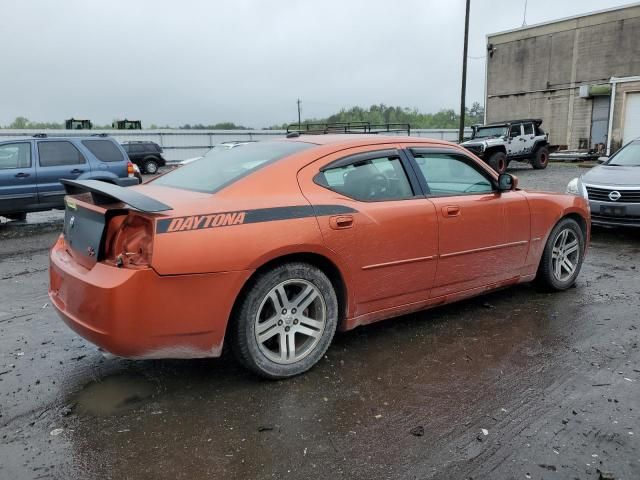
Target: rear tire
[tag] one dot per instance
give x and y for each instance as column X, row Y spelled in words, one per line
column 151, row 167
column 498, row 161
column 562, row 257
column 540, row 158
column 285, row 322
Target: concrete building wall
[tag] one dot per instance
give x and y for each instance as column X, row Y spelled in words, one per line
column 622, row 92
column 537, row 71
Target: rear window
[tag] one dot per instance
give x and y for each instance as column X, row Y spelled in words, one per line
column 104, row 150
column 221, row 167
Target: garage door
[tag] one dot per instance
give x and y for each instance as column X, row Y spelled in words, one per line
column 632, row 117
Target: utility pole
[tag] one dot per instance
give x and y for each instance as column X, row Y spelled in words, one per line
column 464, row 73
column 299, row 121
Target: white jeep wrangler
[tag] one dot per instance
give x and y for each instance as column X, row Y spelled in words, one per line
column 499, row 143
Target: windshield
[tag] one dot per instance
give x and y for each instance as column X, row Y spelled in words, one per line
column 222, row 166
column 486, row 132
column 628, row 156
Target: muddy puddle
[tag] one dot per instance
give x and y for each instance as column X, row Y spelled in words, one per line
column 114, row 395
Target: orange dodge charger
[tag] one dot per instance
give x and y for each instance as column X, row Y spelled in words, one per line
column 274, row 245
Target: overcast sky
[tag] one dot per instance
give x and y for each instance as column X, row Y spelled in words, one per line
column 246, row 61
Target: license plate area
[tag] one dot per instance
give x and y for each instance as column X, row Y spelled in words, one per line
column 83, row 231
column 613, row 211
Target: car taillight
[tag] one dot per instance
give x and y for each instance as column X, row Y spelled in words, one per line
column 130, row 169
column 129, row 241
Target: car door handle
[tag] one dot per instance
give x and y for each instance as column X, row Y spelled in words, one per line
column 77, row 170
column 451, row 211
column 340, row 222
column 22, row 175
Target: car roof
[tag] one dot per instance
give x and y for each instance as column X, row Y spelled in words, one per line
column 46, row 137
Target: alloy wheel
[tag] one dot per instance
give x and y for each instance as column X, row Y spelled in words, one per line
column 290, row 321
column 565, row 255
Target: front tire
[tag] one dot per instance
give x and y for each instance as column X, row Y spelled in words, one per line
column 562, row 257
column 285, row 321
column 498, row 161
column 540, row 158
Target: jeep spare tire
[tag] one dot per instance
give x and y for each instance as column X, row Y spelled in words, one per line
column 540, row 158
column 498, row 161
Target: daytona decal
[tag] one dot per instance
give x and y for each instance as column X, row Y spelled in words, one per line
column 228, row 219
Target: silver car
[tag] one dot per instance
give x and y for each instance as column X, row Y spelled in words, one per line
column 613, row 188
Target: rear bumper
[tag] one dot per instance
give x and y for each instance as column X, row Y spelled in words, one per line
column 140, row 314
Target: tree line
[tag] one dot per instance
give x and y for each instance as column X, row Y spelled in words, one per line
column 380, row 114
column 375, row 114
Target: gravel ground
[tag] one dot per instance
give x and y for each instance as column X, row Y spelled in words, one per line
column 514, row 384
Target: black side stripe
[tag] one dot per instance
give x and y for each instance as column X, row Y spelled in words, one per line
column 243, row 217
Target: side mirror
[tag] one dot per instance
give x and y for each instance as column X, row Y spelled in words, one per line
column 507, row 182
column 602, row 159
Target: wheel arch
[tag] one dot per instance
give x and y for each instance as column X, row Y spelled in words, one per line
column 319, row 260
column 496, row 148
column 580, row 220
column 539, row 144
column 103, row 177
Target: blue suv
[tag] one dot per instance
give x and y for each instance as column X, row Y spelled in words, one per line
column 31, row 169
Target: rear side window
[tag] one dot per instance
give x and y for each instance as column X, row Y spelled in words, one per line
column 59, row 153
column 135, row 148
column 104, row 150
column 15, row 155
column 371, row 180
column 528, row 128
column 221, row 167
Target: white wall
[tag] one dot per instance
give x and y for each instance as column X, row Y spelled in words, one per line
column 181, row 144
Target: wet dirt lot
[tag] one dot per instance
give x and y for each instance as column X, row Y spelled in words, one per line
column 515, row 384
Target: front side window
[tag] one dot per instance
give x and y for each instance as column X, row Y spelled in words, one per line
column 220, row 166
column 370, row 180
column 515, row 131
column 58, row 153
column 15, row 155
column 448, row 174
column 104, row 150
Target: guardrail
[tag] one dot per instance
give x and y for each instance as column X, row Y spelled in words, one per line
column 179, row 144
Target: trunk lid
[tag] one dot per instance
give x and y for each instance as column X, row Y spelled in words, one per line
column 89, row 207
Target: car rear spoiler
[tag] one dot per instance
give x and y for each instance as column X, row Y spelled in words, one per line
column 104, row 193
